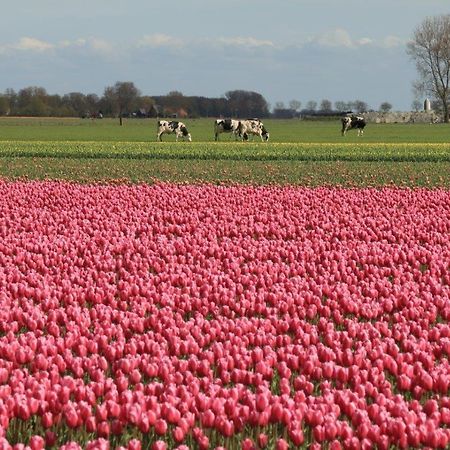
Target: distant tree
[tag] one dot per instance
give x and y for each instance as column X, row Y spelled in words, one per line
column 173, row 102
column 77, row 103
column 385, row 107
column 247, row 104
column 94, row 103
column 4, row 105
column 342, row 106
column 325, row 105
column 436, row 105
column 121, row 98
column 11, row 95
column 147, row 104
column 359, row 106
column 416, row 105
column 295, row 105
column 57, row 107
column 311, row 105
column 31, row 101
column 430, row 49
column 279, row 105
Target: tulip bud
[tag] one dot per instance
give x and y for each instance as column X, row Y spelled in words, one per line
column 281, row 444
column 37, row 443
column 160, row 427
column 50, row 438
column 134, row 444
column 247, row 444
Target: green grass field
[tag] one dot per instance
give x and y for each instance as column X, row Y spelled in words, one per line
column 299, row 152
column 144, row 130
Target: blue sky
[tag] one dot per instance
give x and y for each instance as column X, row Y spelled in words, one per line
column 285, row 49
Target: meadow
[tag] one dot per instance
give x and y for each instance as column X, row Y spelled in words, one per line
column 299, row 152
column 202, row 130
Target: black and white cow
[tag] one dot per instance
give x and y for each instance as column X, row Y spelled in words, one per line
column 253, row 126
column 179, row 128
column 352, row 122
column 226, row 126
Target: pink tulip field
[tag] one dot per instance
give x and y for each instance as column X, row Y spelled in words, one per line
column 223, row 317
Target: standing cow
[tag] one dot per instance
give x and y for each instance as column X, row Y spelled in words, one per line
column 179, row 128
column 226, row 126
column 352, row 122
column 253, row 126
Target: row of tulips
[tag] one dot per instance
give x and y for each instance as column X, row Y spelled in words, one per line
column 209, row 317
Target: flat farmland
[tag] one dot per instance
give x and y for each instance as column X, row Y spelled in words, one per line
column 299, row 153
column 223, row 295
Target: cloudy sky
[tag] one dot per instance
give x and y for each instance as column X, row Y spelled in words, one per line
column 284, row 49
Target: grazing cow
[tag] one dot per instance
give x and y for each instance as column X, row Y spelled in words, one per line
column 226, row 126
column 351, row 122
column 179, row 128
column 253, row 126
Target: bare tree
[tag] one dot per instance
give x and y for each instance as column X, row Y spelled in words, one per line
column 295, row 105
column 385, row 107
column 342, row 106
column 416, row 105
column 311, row 105
column 122, row 97
column 430, row 49
column 326, row 105
column 360, row 106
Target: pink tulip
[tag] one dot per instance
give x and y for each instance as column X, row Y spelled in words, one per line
column 161, row 427
column 248, row 444
column 91, row 424
column 335, row 445
column 263, row 440
column 37, row 443
column 281, row 444
column 134, row 444
column 181, row 306
column 98, row 444
column 103, row 429
column 50, row 438
column 178, row 434
column 159, row 445
column 71, row 417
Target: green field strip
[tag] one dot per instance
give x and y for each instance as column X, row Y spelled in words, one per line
column 302, row 173
column 249, row 151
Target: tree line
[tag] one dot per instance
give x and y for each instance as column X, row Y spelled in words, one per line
column 124, row 99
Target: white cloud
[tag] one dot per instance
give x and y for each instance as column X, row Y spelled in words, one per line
column 160, row 40
column 77, row 43
column 248, row 42
column 32, row 44
column 93, row 45
column 364, row 41
column 392, row 41
column 164, row 40
column 342, row 38
column 101, row 45
column 335, row 38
